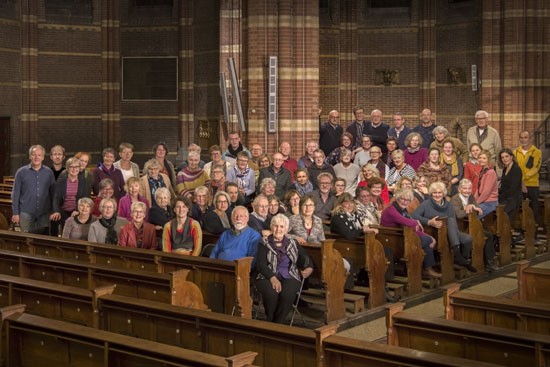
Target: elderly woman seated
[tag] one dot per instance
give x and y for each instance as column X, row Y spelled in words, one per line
column 434, row 211
column 346, row 219
column 138, row 233
column 107, row 227
column 282, row 264
column 305, row 226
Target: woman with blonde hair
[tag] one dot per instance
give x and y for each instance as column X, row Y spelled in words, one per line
column 152, row 180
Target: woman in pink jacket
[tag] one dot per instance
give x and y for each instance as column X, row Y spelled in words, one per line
column 486, row 194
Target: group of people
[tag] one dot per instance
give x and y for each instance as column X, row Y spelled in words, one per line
column 267, row 206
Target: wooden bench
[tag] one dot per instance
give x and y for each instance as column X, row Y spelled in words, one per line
column 60, row 302
column 496, row 311
column 473, row 226
column 168, row 288
column 339, row 351
column 37, row 341
column 533, row 283
column 225, row 284
column 329, row 271
column 499, row 223
column 466, row 340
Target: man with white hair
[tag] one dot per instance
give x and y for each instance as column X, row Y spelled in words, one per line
column 307, row 159
column 239, row 241
column 31, row 201
column 485, row 135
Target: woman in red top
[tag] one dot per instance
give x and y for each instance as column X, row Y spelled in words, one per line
column 472, row 168
column 369, row 171
column 138, row 233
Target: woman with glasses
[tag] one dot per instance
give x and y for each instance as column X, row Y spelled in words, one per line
column 125, row 164
column 106, row 169
column 347, row 143
column 305, row 226
column 132, row 196
column 160, row 150
column 152, row 180
column 138, row 233
column 376, row 161
column 106, row 191
column 346, row 220
column 182, row 235
column 218, row 220
column 68, row 190
column 292, row 203
column 244, row 176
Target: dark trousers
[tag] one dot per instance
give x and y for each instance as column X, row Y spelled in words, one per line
column 278, row 305
column 533, row 193
column 489, row 251
column 429, row 258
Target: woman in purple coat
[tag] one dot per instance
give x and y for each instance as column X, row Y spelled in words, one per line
column 396, row 215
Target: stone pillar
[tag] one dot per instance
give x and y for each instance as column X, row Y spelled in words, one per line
column 110, row 72
column 29, row 73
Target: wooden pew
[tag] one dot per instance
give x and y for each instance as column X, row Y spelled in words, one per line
column 474, row 228
column 533, row 283
column 225, row 284
column 466, row 340
column 168, row 288
column 445, row 252
column 330, row 272
column 356, row 252
column 499, row 223
column 495, row 311
column 529, row 227
column 406, row 247
column 340, row 351
column 37, row 341
column 60, row 302
column 222, row 335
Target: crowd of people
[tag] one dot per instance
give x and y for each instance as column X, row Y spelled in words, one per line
column 349, row 181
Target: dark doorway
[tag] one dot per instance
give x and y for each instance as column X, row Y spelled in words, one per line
column 5, row 151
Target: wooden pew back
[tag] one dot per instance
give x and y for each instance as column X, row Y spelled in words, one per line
column 494, row 311
column 36, row 341
column 533, row 283
column 466, row 340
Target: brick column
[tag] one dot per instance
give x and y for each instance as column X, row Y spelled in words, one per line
column 110, row 72
column 288, row 29
column 186, row 70
column 29, row 73
column 348, row 55
column 426, row 54
column 513, row 75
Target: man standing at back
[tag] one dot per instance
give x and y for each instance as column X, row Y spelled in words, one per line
column 399, row 130
column 330, row 133
column 31, row 199
column 485, row 135
column 289, row 163
column 235, row 146
column 377, row 130
column 357, row 127
column 426, row 128
column 529, row 159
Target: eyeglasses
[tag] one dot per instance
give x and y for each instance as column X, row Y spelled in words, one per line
column 308, row 205
column 74, row 167
column 325, row 183
column 222, row 202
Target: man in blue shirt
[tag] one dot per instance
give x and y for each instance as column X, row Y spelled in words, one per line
column 239, row 241
column 31, row 195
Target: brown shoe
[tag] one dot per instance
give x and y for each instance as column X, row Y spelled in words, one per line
column 431, row 273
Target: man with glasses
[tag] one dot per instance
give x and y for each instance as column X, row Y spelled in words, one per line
column 258, row 218
column 357, row 127
column 399, row 130
column 330, row 132
column 485, row 135
column 289, row 163
column 319, row 166
column 239, row 241
column 323, row 197
column 277, row 172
